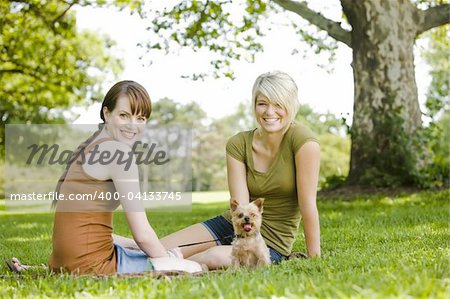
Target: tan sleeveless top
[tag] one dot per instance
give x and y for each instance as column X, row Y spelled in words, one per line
column 82, row 231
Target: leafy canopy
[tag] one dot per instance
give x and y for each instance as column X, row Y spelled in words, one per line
column 46, row 64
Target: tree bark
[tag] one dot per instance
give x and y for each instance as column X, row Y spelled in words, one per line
column 387, row 117
column 386, row 108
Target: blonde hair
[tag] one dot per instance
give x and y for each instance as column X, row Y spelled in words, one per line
column 280, row 89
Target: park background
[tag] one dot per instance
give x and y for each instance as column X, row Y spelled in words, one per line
column 198, row 59
column 60, row 75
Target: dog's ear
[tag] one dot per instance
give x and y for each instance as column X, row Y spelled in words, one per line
column 234, row 204
column 259, row 203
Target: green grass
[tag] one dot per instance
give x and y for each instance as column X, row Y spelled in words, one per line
column 371, row 247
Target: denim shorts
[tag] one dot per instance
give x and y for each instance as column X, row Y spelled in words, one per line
column 132, row 260
column 223, row 231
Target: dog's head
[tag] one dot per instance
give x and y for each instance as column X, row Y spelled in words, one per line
column 247, row 218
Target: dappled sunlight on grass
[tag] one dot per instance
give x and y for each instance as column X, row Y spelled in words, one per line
column 28, row 225
column 28, row 239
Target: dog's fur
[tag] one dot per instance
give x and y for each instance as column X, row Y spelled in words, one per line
column 249, row 248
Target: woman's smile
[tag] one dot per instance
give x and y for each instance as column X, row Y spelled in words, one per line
column 128, row 134
column 271, row 120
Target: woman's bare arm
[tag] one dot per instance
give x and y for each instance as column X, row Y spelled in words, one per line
column 126, row 182
column 307, row 161
column 237, row 180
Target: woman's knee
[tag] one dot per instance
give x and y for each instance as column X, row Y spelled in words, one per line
column 216, row 257
column 192, row 234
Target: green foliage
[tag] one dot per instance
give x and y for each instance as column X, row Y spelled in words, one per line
column 46, row 65
column 209, row 24
column 399, row 159
column 372, row 247
column 321, row 123
column 2, row 178
column 436, row 55
column 212, row 143
column 436, row 138
column 209, row 140
column 436, row 135
column 233, row 36
column 334, row 181
column 334, row 145
column 166, row 112
column 334, row 160
column 315, row 42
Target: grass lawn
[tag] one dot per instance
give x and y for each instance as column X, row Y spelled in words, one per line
column 374, row 246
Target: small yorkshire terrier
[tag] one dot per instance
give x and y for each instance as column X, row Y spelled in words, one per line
column 249, row 248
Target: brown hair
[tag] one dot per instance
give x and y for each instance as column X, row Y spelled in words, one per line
column 140, row 104
column 139, row 99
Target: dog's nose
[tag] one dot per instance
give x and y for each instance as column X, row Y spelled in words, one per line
column 247, row 219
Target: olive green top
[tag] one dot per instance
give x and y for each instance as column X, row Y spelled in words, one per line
column 281, row 214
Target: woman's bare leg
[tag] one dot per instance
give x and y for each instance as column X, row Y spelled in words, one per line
column 215, row 258
column 191, row 234
column 164, row 263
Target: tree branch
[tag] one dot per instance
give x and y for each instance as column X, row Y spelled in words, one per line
column 434, row 17
column 11, row 71
column 21, row 69
column 50, row 23
column 64, row 12
column 333, row 29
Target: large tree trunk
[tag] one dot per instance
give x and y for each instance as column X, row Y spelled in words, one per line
column 386, row 108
